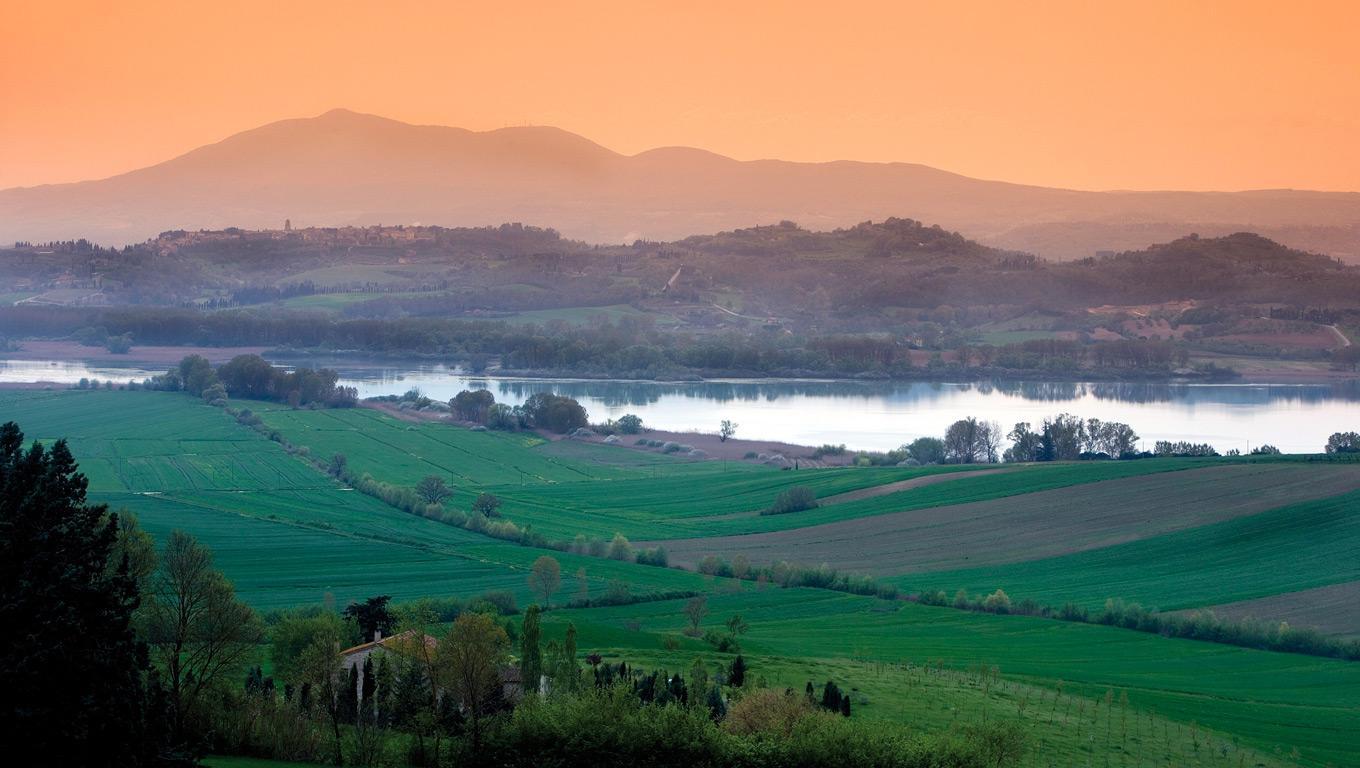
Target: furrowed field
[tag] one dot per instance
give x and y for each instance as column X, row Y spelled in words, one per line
column 1172, row 533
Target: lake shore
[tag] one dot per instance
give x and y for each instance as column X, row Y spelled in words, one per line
column 1246, row 370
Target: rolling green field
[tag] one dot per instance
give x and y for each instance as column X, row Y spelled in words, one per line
column 1292, row 548
column 1266, row 699
column 287, row 534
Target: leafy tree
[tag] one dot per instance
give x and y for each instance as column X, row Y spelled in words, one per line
column 373, row 616
column 1343, row 442
column 630, row 424
column 290, row 637
column 545, row 577
column 554, row 412
column 1026, row 445
column 136, row 547
column 619, row 548
column 726, row 429
column 338, row 465
column 487, row 505
column 696, row 608
column 970, row 441
column 530, row 654
column 75, row 673
column 1265, row 450
column 473, row 405
column 470, row 658
column 196, row 374
column 927, row 450
column 432, row 490
column 200, row 633
column 318, row 666
column 737, row 625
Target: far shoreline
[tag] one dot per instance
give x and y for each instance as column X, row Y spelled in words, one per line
column 1281, row 373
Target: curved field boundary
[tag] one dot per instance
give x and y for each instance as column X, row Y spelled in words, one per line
column 903, row 485
column 1037, row 525
column 872, row 492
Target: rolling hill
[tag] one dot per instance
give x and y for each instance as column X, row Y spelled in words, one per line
column 348, row 168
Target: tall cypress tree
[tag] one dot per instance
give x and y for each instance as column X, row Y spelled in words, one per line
column 349, row 697
column 368, row 690
column 736, row 677
column 531, row 656
column 74, row 676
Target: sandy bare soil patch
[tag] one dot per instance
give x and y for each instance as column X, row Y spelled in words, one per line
column 70, row 350
column 1332, row 610
column 736, row 449
column 1035, row 525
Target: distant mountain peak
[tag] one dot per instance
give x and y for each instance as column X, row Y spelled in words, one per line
column 345, row 167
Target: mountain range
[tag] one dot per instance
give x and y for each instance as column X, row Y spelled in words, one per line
column 347, row 168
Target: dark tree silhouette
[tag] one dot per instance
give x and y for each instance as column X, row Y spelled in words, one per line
column 75, row 677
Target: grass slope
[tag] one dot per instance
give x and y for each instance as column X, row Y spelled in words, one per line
column 1270, row 700
column 282, row 531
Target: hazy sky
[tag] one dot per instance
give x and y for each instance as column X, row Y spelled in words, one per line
column 1197, row 95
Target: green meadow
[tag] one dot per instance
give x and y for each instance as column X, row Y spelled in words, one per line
column 289, row 535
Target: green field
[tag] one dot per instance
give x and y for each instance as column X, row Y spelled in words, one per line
column 334, row 302
column 1292, row 548
column 285, row 533
column 288, row 535
column 1267, row 699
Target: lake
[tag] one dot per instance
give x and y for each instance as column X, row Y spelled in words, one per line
column 866, row 415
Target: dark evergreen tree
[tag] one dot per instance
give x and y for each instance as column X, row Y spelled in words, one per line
column 736, row 677
column 75, row 681
column 367, row 691
column 531, row 655
column 717, row 708
column 831, row 697
column 349, row 697
column 372, row 616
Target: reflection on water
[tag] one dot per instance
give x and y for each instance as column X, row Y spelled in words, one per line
column 873, row 415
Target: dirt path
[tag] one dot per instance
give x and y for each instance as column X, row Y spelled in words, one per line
column 1341, row 337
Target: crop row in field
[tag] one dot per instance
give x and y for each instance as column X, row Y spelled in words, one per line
column 1269, row 699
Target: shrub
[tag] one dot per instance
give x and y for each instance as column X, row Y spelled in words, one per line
column 795, row 499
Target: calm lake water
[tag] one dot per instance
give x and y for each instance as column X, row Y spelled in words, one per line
column 871, row 415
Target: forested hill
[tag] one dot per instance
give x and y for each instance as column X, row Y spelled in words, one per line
column 855, row 274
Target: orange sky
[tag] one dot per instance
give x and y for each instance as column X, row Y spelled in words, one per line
column 1195, row 95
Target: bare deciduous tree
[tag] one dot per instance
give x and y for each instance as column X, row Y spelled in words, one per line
column 200, row 632
column 545, row 577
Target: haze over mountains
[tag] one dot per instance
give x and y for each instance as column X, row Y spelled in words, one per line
column 347, row 168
